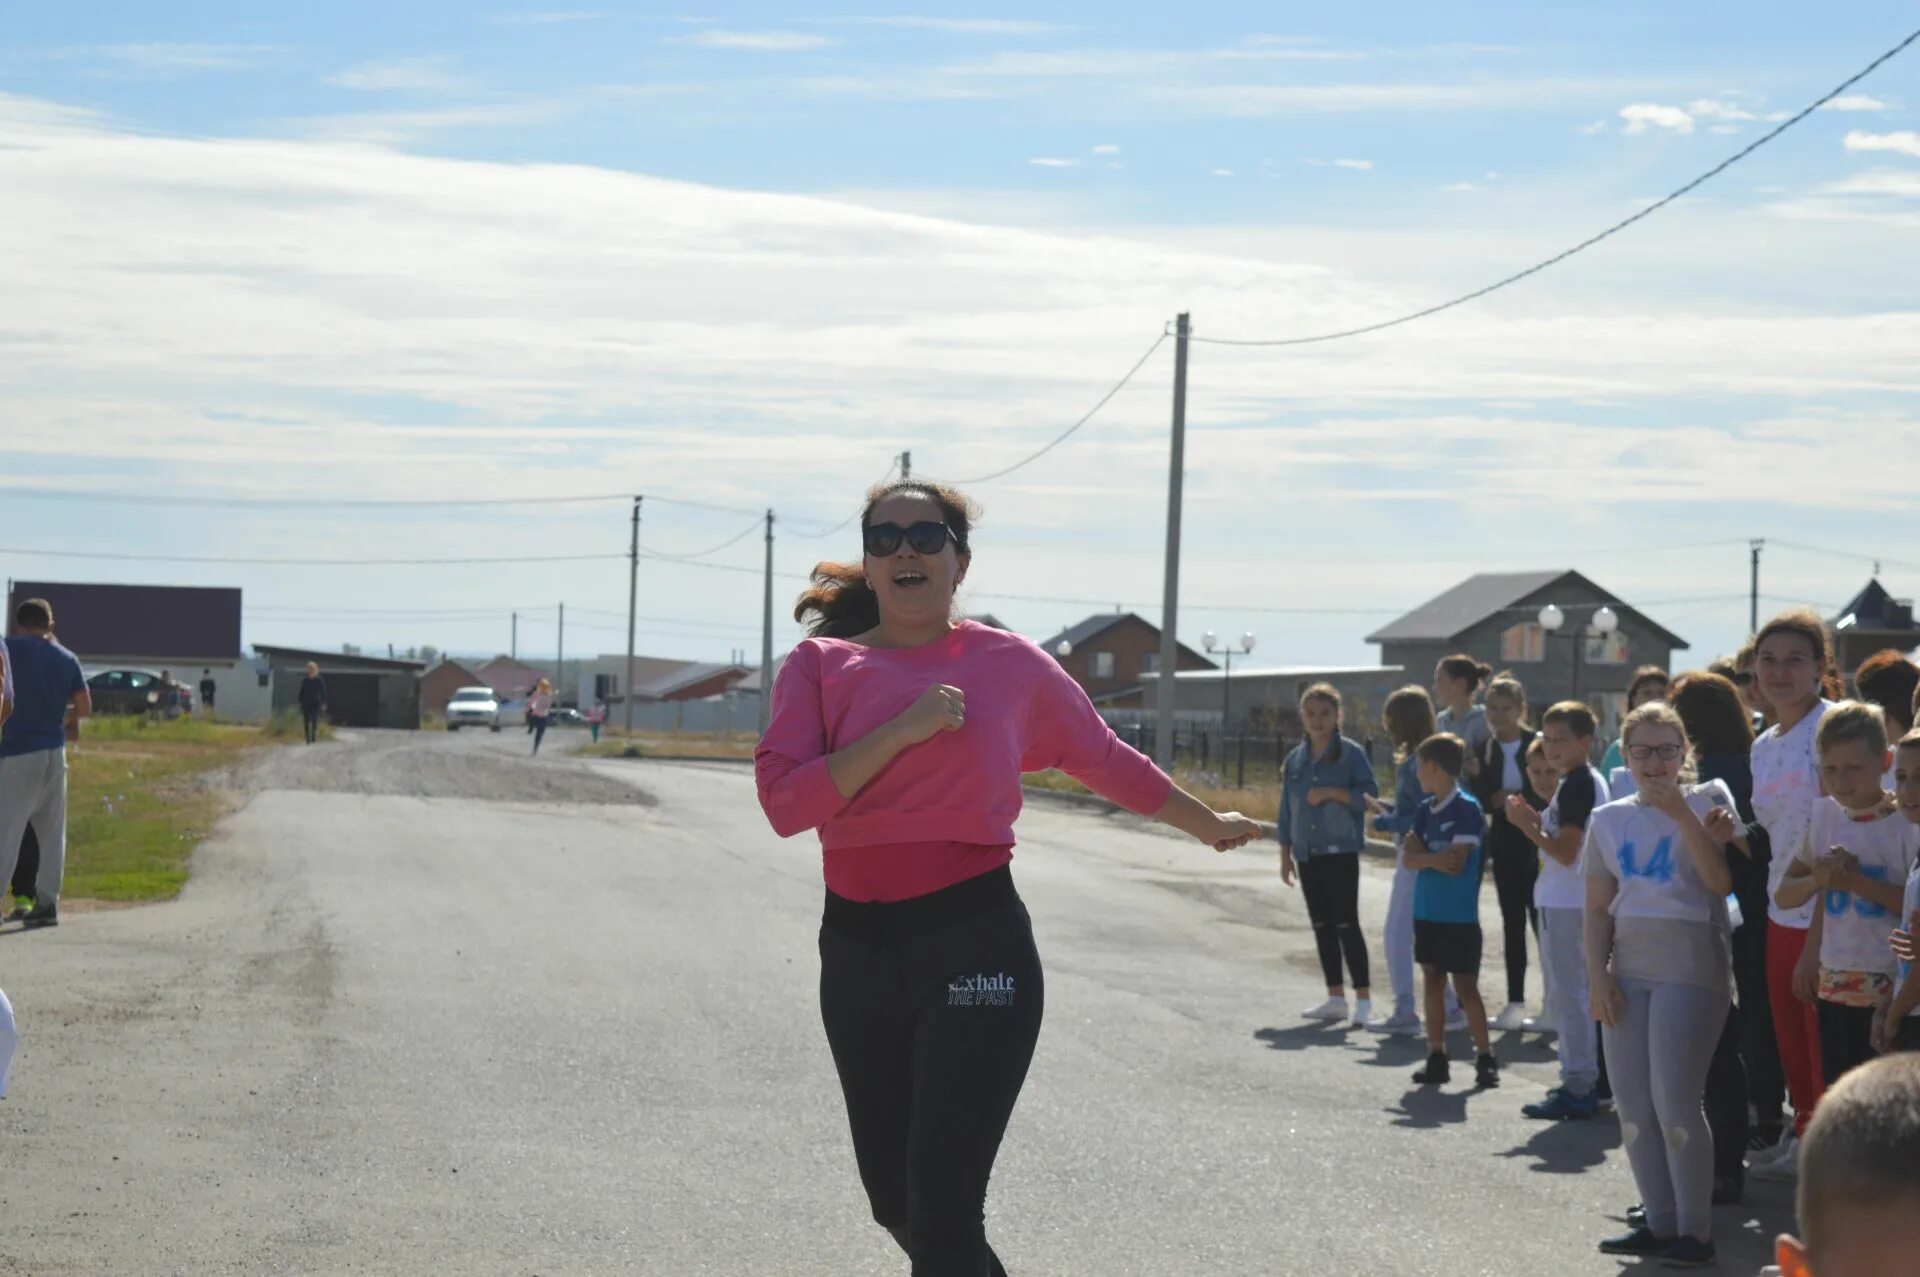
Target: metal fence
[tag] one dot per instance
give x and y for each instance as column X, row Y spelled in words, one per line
column 1236, row 758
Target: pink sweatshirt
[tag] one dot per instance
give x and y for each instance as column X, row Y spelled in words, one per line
column 1023, row 714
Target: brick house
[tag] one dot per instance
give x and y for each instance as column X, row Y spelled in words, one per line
column 1110, row 652
column 438, row 685
column 1495, row 617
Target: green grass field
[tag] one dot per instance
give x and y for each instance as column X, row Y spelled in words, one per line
column 135, row 811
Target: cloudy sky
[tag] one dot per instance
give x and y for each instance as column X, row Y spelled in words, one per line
column 742, row 259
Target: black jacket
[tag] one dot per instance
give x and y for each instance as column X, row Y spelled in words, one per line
column 313, row 694
column 1502, row 837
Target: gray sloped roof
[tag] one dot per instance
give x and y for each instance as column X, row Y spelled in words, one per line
column 1452, row 613
column 1872, row 609
column 1464, row 606
column 1099, row 623
column 685, row 676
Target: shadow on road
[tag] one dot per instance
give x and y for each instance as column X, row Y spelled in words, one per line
column 1426, row 1107
column 1567, row 1148
column 1302, row 1036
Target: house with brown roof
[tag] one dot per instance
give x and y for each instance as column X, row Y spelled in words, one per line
column 1109, row 653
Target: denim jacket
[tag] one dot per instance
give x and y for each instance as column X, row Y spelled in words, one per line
column 1407, row 797
column 1329, row 827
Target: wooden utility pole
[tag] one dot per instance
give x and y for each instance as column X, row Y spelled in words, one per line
column 1170, row 598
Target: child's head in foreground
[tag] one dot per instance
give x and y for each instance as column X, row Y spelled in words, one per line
column 1859, row 1196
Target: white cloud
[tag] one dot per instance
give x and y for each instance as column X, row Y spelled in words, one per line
column 395, row 128
column 1052, row 161
column 1106, row 148
column 957, row 26
column 1902, row 143
column 1642, row 116
column 1221, row 172
column 1254, row 100
column 1362, row 165
column 399, row 75
column 753, row 41
column 164, row 58
column 1855, row 102
column 1460, row 186
column 1598, row 126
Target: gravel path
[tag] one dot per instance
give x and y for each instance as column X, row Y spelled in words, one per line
column 475, row 765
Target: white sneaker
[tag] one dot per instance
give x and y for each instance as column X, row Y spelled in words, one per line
column 1400, row 1025
column 1784, row 1169
column 1363, row 1013
column 1511, row 1017
column 1456, row 1021
column 1331, row 1009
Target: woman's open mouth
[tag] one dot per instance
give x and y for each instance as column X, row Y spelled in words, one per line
column 909, row 579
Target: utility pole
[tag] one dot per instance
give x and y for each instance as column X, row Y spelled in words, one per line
column 633, row 600
column 766, row 635
column 1170, row 599
column 1753, row 588
column 906, row 465
column 513, row 646
column 561, row 660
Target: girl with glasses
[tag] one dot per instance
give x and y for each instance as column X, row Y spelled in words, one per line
column 1659, row 976
column 900, row 735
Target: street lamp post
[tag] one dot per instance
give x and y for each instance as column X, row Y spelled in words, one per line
column 1215, row 648
column 1604, row 621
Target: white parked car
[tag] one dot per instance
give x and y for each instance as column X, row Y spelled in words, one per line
column 473, row 707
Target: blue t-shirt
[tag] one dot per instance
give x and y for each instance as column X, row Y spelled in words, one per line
column 45, row 678
column 1440, row 897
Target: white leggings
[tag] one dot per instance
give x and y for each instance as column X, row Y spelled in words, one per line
column 1399, row 946
column 8, row 1038
column 1657, row 1061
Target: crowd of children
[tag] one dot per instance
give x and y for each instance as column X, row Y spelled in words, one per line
column 1725, row 912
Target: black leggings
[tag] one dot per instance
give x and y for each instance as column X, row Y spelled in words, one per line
column 1726, row 1100
column 932, row 1007
column 537, row 724
column 1766, row 1084
column 1331, row 884
column 1514, row 869
column 1846, row 1038
column 311, row 717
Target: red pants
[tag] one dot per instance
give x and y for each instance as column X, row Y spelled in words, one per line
column 1796, row 1024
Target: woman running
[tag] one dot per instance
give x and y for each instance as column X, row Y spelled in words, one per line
column 540, row 712
column 900, row 734
column 1660, row 976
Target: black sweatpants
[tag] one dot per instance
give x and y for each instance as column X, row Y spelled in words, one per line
column 1331, row 884
column 1514, row 869
column 311, row 718
column 1726, row 1100
column 932, row 1008
column 1766, row 1083
column 1846, row 1038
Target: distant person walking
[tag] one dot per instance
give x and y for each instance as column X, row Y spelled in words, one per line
column 48, row 685
column 540, row 711
column 207, row 688
column 313, row 701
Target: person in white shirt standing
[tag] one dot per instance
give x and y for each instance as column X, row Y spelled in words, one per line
column 1791, row 659
column 1560, row 895
column 1660, row 971
column 1897, row 1026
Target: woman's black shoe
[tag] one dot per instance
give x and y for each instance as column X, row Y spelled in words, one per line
column 1688, row 1252
column 1637, row 1215
column 1436, row 1071
column 1486, row 1071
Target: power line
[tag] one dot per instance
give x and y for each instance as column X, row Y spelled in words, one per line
column 700, row 554
column 1855, row 555
column 275, row 562
column 850, row 518
column 345, row 503
column 1064, row 435
column 1584, row 244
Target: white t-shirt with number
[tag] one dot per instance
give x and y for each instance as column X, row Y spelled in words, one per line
column 1854, row 935
column 1786, row 786
column 1669, row 926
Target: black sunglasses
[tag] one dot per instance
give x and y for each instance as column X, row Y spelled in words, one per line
column 928, row 537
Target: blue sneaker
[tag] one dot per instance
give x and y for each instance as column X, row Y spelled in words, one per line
column 1562, row 1106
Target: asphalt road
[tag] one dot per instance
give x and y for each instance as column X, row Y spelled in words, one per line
column 429, row 1006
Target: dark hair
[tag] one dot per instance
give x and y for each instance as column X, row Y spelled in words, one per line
column 1862, row 1148
column 1889, row 680
column 34, row 614
column 1805, row 623
column 1408, row 718
column 1446, row 751
column 841, row 603
column 1470, row 668
column 1716, row 719
column 1577, row 718
column 1642, row 676
column 1724, row 667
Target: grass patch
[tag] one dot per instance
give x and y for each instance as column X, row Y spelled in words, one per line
column 669, row 745
column 286, row 724
column 135, row 812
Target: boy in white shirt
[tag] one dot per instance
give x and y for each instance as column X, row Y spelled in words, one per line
column 1560, row 894
column 1897, row 1026
column 1859, row 851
